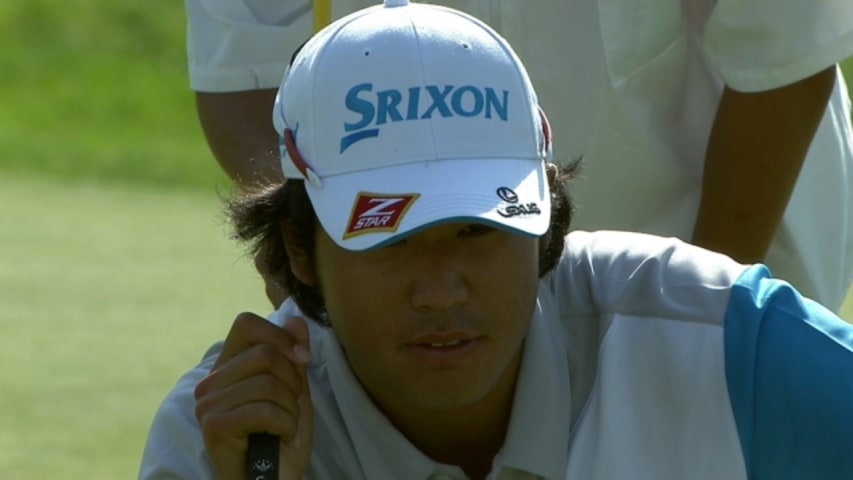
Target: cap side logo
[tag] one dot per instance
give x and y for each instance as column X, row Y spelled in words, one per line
column 514, row 208
column 378, row 212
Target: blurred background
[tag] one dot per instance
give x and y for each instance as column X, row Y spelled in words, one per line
column 116, row 270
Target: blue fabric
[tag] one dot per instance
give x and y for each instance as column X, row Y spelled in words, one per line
column 789, row 370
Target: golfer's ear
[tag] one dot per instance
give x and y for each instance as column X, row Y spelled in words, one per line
column 301, row 263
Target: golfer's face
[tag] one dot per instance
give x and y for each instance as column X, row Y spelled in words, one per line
column 435, row 321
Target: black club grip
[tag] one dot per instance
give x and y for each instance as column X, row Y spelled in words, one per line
column 263, row 456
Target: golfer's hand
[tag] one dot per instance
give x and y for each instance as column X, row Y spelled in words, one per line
column 258, row 384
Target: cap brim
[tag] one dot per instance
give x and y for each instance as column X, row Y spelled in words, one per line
column 376, row 207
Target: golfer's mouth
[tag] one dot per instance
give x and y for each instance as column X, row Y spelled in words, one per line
column 444, row 349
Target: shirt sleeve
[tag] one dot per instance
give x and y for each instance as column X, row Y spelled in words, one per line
column 789, row 370
column 235, row 45
column 758, row 45
column 639, row 274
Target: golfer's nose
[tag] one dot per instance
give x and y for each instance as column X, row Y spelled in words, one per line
column 438, row 282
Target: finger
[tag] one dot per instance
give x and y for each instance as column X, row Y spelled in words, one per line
column 305, row 421
column 297, row 327
column 295, row 454
column 260, row 388
column 256, row 360
column 248, row 330
column 224, row 428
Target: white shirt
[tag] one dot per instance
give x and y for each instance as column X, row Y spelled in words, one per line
column 633, row 89
column 646, row 363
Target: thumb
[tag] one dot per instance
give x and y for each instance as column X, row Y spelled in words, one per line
column 297, row 327
column 295, row 454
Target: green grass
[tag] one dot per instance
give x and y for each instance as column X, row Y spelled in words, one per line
column 106, row 296
column 99, row 90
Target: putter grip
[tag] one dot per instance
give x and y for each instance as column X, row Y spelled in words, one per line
column 263, row 456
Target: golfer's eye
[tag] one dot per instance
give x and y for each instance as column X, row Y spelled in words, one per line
column 397, row 243
column 475, row 230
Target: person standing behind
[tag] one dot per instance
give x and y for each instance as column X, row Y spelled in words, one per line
column 725, row 123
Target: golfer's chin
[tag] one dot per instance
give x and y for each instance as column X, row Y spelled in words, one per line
column 455, row 378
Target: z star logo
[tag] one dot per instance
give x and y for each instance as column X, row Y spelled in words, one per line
column 376, row 212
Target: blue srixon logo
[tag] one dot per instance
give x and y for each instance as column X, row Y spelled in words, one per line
column 417, row 103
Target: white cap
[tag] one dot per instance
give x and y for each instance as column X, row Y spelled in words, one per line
column 401, row 116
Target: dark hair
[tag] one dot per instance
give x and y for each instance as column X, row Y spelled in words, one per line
column 257, row 217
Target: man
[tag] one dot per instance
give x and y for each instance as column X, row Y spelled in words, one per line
column 456, row 331
column 725, row 122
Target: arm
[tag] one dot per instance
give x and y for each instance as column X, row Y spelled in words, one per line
column 237, row 51
column 238, row 128
column 758, row 144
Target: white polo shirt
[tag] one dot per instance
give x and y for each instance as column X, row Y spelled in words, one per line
column 632, row 87
column 658, row 362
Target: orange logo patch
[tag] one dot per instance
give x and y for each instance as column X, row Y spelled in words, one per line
column 375, row 212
